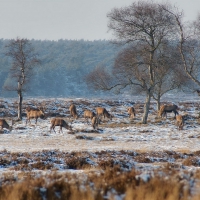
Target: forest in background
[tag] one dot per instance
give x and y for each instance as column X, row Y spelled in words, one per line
column 64, row 65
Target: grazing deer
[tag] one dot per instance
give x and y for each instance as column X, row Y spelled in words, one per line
column 4, row 124
column 102, row 111
column 164, row 109
column 59, row 122
column 34, row 113
column 95, row 122
column 131, row 112
column 73, row 112
column 180, row 122
column 88, row 114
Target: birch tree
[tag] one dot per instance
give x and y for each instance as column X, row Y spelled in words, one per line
column 23, row 59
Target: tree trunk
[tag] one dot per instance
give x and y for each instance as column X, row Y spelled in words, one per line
column 146, row 108
column 20, row 106
column 158, row 103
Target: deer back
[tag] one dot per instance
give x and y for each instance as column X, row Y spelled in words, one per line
column 60, row 122
column 170, row 107
column 100, row 110
column 35, row 113
column 88, row 113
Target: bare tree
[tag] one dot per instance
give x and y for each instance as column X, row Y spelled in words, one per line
column 169, row 73
column 189, row 45
column 23, row 59
column 129, row 72
column 145, row 25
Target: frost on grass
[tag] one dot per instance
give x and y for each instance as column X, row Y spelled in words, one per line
column 121, row 143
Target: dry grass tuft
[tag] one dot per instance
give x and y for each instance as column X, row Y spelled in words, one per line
column 77, row 163
column 108, row 184
column 113, row 175
column 190, row 161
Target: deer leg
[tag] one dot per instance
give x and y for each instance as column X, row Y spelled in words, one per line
column 28, row 119
column 179, row 127
column 50, row 128
column 54, row 129
column 87, row 120
column 60, row 129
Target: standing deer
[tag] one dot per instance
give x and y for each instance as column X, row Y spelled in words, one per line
column 95, row 122
column 164, row 109
column 34, row 113
column 59, row 122
column 180, row 122
column 73, row 112
column 103, row 112
column 131, row 112
column 4, row 124
column 88, row 114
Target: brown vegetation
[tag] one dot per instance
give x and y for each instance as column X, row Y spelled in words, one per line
column 97, row 185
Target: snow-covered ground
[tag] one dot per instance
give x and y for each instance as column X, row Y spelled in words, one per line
column 122, row 140
column 121, row 133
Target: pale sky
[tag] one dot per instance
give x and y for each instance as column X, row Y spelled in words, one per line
column 67, row 19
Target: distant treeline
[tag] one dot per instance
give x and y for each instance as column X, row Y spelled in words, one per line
column 64, row 65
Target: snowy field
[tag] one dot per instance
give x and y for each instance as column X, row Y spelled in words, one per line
column 157, row 145
column 120, row 133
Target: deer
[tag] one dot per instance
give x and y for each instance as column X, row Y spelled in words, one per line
column 88, row 114
column 131, row 112
column 95, row 122
column 34, row 113
column 180, row 122
column 164, row 109
column 73, row 112
column 59, row 122
column 4, row 124
column 102, row 111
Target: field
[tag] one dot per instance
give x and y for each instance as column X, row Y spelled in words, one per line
column 122, row 159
